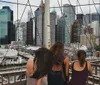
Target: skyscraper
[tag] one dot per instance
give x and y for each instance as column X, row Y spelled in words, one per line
column 80, row 18
column 7, row 30
column 53, row 22
column 29, row 15
column 69, row 14
column 39, row 25
column 60, row 30
column 87, row 19
column 75, row 32
column 29, row 40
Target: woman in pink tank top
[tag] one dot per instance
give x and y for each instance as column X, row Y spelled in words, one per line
column 39, row 67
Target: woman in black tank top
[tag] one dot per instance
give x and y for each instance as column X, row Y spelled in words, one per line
column 55, row 77
column 80, row 69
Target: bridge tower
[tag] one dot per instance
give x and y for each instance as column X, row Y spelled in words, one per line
column 46, row 34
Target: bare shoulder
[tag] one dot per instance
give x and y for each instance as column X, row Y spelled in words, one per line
column 29, row 66
column 66, row 60
column 66, row 57
column 29, row 62
column 88, row 63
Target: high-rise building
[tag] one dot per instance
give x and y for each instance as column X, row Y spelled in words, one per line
column 21, row 31
column 29, row 40
column 24, row 31
column 29, row 15
column 39, row 25
column 7, row 29
column 53, row 22
column 69, row 14
column 87, row 19
column 75, row 32
column 95, row 17
column 60, row 29
column 88, row 40
column 95, row 26
column 80, row 18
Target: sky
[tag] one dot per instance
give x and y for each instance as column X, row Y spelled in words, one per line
column 53, row 3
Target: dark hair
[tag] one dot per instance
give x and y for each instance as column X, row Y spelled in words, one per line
column 44, row 61
column 58, row 50
column 81, row 54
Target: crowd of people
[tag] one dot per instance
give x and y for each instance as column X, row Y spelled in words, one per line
column 51, row 67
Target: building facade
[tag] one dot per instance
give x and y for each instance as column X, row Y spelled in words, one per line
column 80, row 18
column 96, row 31
column 88, row 40
column 39, row 21
column 75, row 32
column 29, row 15
column 29, row 40
column 60, row 29
column 7, row 29
column 53, row 22
column 69, row 14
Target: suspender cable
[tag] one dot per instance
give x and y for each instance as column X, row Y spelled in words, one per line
column 38, row 6
column 64, row 20
column 37, row 29
column 79, row 22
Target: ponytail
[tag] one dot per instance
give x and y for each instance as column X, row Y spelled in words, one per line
column 81, row 57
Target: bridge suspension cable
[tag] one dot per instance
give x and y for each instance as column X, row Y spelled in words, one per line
column 2, row 1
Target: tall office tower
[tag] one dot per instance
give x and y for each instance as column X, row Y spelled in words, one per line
column 60, row 29
column 53, row 22
column 69, row 14
column 87, row 19
column 29, row 15
column 39, row 25
column 29, row 40
column 75, row 32
column 95, row 26
column 80, row 18
column 7, row 29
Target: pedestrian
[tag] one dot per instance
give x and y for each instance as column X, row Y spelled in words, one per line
column 40, row 66
column 60, row 70
column 80, row 69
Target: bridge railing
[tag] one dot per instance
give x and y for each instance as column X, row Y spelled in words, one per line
column 95, row 77
column 13, row 78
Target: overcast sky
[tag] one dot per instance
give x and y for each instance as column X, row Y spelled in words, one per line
column 52, row 4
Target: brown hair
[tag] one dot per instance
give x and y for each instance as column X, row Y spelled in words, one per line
column 58, row 50
column 81, row 54
column 44, row 62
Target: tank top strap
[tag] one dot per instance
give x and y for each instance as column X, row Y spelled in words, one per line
column 86, row 67
column 72, row 65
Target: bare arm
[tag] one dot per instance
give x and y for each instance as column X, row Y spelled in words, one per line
column 66, row 62
column 89, row 67
column 39, row 82
column 29, row 67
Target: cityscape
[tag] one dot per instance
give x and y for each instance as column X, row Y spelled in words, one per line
column 44, row 26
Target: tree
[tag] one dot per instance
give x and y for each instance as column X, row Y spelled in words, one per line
column 97, row 48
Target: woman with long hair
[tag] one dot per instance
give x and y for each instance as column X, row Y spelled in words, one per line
column 56, row 76
column 80, row 69
column 40, row 66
